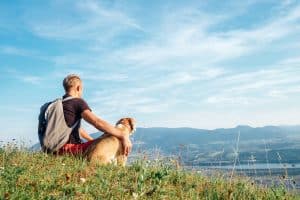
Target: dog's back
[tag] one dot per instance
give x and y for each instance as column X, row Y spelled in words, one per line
column 108, row 148
column 104, row 150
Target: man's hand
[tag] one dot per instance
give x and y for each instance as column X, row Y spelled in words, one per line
column 85, row 135
column 127, row 145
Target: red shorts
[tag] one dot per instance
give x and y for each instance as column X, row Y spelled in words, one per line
column 74, row 149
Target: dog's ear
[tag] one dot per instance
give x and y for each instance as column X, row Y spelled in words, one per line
column 132, row 123
column 120, row 121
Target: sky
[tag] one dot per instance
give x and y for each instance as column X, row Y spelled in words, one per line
column 202, row 64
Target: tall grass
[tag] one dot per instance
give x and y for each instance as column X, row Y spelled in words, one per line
column 35, row 175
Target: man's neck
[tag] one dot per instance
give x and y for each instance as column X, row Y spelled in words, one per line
column 72, row 94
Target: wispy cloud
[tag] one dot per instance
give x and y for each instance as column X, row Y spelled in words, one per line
column 30, row 79
column 259, row 87
column 95, row 9
column 23, row 52
column 23, row 77
column 126, row 102
column 168, row 64
column 185, row 48
column 194, row 41
column 93, row 75
column 11, row 50
column 91, row 21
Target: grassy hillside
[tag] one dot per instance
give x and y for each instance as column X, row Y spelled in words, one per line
column 28, row 175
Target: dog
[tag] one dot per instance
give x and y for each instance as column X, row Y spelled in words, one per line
column 108, row 149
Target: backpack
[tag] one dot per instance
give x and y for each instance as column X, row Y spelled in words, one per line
column 53, row 131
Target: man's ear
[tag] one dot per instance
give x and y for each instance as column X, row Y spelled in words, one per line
column 78, row 87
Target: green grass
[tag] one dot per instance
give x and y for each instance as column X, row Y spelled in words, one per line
column 29, row 175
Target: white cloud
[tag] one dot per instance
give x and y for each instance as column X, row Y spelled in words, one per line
column 24, row 77
column 91, row 22
column 95, row 9
column 285, row 92
column 30, row 79
column 280, row 26
column 11, row 50
column 181, row 62
column 191, row 40
column 263, row 79
column 274, row 84
column 228, row 100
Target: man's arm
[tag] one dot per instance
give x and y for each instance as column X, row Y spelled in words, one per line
column 104, row 126
column 85, row 135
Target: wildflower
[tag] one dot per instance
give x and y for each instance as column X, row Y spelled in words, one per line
column 83, row 180
column 135, row 195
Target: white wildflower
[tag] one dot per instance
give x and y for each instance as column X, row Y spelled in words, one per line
column 135, row 195
column 83, row 180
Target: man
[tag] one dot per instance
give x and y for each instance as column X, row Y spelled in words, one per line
column 75, row 109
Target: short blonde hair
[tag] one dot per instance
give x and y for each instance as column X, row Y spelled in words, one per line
column 71, row 81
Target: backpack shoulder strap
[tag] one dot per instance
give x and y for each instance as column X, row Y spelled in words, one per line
column 76, row 123
column 67, row 99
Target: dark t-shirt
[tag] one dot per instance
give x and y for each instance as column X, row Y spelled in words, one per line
column 72, row 112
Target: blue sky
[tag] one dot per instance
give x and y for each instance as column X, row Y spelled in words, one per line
column 203, row 64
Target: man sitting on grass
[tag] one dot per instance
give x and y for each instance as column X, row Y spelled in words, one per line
column 74, row 110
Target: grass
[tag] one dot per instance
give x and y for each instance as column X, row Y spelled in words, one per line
column 34, row 175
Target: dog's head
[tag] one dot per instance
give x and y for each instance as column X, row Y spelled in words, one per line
column 128, row 122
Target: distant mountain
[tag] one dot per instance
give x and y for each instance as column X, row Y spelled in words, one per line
column 166, row 137
column 200, row 146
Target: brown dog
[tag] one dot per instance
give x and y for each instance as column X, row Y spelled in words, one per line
column 107, row 148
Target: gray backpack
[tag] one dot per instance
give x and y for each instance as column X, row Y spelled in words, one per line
column 52, row 129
